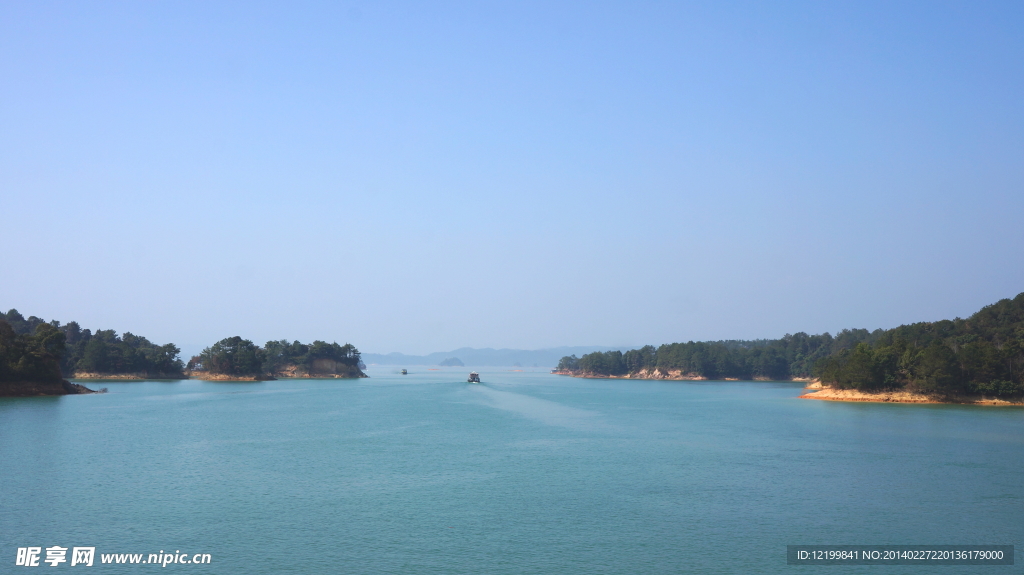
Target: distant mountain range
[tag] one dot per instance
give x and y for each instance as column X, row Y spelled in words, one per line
column 486, row 356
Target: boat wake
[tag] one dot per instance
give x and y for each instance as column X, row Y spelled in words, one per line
column 543, row 410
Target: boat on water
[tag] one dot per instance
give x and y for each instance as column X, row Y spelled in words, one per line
column 474, row 377
column 405, row 372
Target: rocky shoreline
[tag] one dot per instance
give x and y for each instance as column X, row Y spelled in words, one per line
column 125, row 376
column 225, row 377
column 899, row 396
column 35, row 388
column 670, row 375
column 676, row 375
column 816, row 390
column 290, row 373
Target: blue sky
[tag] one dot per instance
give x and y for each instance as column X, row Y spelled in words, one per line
column 418, row 176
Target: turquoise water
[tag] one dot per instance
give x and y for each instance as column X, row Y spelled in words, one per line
column 527, row 473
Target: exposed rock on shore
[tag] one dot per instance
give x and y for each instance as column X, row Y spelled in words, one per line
column 126, row 376
column 34, row 388
column 829, row 394
column 321, row 369
column 673, row 374
column 227, row 377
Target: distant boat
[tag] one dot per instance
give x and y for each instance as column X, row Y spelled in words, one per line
column 405, row 372
column 474, row 377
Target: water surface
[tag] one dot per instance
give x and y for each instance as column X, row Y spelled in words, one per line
column 527, row 473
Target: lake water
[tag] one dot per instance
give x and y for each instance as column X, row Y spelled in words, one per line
column 527, row 473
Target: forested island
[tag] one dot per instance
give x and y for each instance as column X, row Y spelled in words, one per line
column 37, row 355
column 948, row 360
column 235, row 358
column 30, row 363
column 103, row 354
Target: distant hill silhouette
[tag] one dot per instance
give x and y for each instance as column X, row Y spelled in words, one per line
column 487, row 357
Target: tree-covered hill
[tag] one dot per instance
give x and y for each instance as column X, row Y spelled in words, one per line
column 983, row 354
column 30, row 363
column 239, row 357
column 30, row 357
column 103, row 353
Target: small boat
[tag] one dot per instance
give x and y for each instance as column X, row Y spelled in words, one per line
column 474, row 377
column 405, row 372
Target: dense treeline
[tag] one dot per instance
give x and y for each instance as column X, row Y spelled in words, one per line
column 983, row 354
column 786, row 358
column 32, row 357
column 103, row 352
column 33, row 349
column 241, row 357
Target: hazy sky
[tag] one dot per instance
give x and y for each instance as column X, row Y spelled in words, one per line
column 422, row 176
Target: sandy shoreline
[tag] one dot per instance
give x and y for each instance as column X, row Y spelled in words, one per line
column 224, row 377
column 827, row 394
column 124, row 376
column 674, row 375
column 816, row 390
column 275, row 377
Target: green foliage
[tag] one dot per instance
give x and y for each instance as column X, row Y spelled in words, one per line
column 321, row 350
column 233, row 356
column 30, row 358
column 31, row 344
column 569, row 363
column 279, row 354
column 103, row 352
column 603, row 363
column 1000, row 387
column 860, row 368
column 937, row 371
column 640, row 359
column 106, row 352
column 241, row 357
column 791, row 356
column 982, row 354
